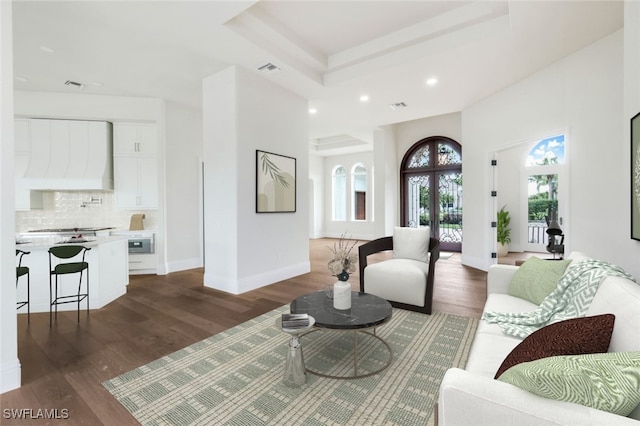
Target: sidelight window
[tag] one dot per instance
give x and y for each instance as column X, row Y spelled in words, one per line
column 339, row 193
column 359, row 185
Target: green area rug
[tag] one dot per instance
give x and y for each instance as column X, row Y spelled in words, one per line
column 235, row 377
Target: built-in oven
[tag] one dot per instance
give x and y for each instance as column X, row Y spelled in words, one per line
column 142, row 252
column 141, row 245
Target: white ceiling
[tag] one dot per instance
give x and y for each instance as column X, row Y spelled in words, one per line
column 330, row 52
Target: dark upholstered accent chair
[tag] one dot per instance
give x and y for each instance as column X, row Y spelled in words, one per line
column 405, row 281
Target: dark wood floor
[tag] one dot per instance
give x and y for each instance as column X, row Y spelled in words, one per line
column 63, row 367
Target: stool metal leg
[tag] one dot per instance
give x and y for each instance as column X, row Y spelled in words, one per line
column 28, row 298
column 79, row 288
column 50, row 298
column 66, row 269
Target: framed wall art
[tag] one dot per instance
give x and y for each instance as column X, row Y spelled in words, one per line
column 635, row 177
column 275, row 183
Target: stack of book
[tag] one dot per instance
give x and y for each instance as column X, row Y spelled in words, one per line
column 295, row 321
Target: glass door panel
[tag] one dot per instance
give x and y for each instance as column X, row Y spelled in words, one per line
column 450, row 214
column 418, row 207
column 542, row 196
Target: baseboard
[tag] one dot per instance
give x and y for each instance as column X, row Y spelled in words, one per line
column 255, row 281
column 359, row 237
column 10, row 373
column 183, row 265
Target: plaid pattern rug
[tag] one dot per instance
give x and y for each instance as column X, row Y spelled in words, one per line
column 235, row 377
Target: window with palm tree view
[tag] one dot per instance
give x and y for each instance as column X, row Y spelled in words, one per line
column 544, row 167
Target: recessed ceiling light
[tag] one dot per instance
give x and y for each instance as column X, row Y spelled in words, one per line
column 398, row 105
column 364, row 98
column 22, row 79
column 431, row 81
column 47, row 49
column 312, row 110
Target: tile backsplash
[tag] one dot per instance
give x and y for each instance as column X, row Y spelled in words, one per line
column 79, row 209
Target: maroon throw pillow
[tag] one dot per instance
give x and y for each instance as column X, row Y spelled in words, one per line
column 576, row 336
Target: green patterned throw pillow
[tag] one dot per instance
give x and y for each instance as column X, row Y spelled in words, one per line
column 536, row 278
column 607, row 382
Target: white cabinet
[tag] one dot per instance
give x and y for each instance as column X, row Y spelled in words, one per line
column 143, row 264
column 135, row 166
column 40, row 149
column 64, row 155
column 21, row 142
column 25, row 199
column 135, row 139
column 136, row 182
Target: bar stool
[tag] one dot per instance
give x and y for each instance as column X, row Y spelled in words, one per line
column 22, row 271
column 56, row 269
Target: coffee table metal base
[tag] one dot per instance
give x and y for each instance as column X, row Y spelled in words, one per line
column 355, row 355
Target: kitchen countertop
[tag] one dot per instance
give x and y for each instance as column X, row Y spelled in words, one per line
column 42, row 243
column 145, row 232
column 108, row 272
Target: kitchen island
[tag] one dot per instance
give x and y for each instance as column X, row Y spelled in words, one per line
column 108, row 272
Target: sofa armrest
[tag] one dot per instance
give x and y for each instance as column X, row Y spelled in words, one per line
column 471, row 399
column 499, row 277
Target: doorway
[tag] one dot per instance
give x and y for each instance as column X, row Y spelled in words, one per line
column 431, row 189
column 544, row 178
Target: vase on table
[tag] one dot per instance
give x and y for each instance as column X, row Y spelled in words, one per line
column 342, row 292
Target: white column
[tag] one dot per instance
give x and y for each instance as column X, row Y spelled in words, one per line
column 387, row 197
column 9, row 362
column 244, row 250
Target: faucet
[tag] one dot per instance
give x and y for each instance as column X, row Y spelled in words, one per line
column 92, row 201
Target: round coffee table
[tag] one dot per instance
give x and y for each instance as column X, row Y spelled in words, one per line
column 367, row 312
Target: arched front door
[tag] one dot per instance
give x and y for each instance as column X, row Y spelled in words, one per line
column 431, row 189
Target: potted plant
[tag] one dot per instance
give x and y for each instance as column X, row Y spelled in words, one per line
column 504, row 231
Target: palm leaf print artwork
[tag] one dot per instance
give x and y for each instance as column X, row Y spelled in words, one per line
column 273, row 171
column 275, row 183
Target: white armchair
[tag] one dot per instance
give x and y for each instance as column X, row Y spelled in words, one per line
column 406, row 280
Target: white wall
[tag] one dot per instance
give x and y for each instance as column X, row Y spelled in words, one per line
column 582, row 93
column 244, row 250
column 631, row 107
column 183, row 208
column 382, row 196
column 317, row 195
column 386, row 181
column 86, row 106
column 9, row 363
column 357, row 229
column 410, row 132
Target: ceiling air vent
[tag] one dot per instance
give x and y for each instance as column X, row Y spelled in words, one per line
column 268, row 68
column 398, row 105
column 74, row 84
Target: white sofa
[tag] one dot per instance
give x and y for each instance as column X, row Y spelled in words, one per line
column 473, row 397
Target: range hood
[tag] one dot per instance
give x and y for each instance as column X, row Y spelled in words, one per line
column 66, row 155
